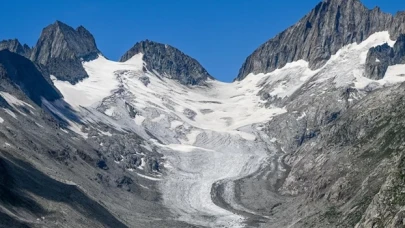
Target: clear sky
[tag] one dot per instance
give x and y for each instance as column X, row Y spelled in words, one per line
column 220, row 34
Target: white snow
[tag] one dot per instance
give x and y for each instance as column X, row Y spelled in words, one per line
column 109, row 111
column 142, row 166
column 303, row 115
column 139, row 120
column 347, row 65
column 101, row 82
column 395, row 74
column 174, row 124
column 106, row 133
column 285, row 81
column 1, row 120
column 64, row 130
column 234, row 104
column 8, row 111
column 39, row 125
column 13, row 101
column 148, row 177
column 185, row 148
column 191, row 137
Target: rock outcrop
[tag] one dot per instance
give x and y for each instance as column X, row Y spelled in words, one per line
column 15, row 46
column 61, row 49
column 19, row 73
column 381, row 57
column 331, row 25
column 169, row 62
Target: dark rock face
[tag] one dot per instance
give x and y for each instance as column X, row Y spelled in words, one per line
column 61, row 49
column 16, row 47
column 21, row 74
column 378, row 60
column 320, row 34
column 381, row 57
column 169, row 62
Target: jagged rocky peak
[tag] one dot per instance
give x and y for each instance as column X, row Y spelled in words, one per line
column 379, row 58
column 169, row 62
column 15, row 46
column 61, row 49
column 331, row 25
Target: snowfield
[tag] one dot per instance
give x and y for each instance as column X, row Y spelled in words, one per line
column 207, row 133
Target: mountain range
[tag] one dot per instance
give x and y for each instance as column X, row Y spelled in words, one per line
column 309, row 134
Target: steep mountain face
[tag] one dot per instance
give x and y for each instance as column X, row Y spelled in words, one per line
column 61, row 49
column 169, row 62
column 331, row 25
column 16, row 47
column 19, row 73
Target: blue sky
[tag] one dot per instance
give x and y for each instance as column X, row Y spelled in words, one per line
column 220, row 34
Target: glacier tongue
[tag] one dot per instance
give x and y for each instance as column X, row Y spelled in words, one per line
column 209, row 135
column 201, row 130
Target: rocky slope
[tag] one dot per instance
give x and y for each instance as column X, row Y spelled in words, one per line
column 169, row 62
column 331, row 25
column 59, row 171
column 18, row 73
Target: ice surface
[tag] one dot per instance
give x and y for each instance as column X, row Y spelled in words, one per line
column 100, row 84
column 214, row 145
column 203, row 147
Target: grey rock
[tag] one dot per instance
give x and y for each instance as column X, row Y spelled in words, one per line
column 21, row 74
column 169, row 62
column 378, row 60
column 145, row 80
column 331, row 25
column 189, row 113
column 61, row 49
column 131, row 110
column 15, row 46
column 381, row 57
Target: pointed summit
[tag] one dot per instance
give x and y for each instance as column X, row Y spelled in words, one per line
column 331, row 25
column 15, row 46
column 61, row 49
column 169, row 62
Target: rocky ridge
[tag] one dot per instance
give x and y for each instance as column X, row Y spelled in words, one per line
column 331, row 25
column 15, row 46
column 19, row 73
column 169, row 62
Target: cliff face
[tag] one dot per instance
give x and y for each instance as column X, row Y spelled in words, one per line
column 331, row 25
column 61, row 49
column 169, row 62
column 381, row 57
